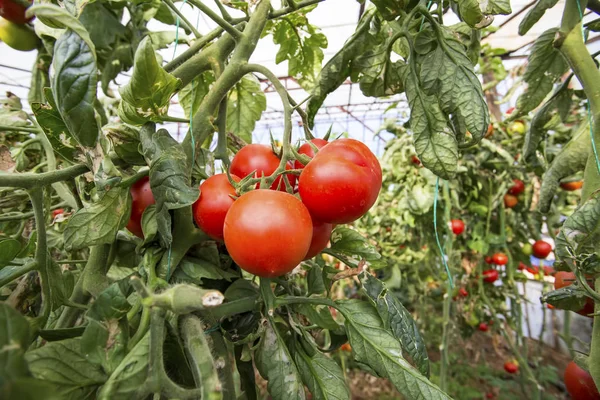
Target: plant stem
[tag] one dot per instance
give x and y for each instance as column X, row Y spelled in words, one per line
column 232, row 30
column 27, row 215
column 448, row 296
column 41, row 252
column 193, row 50
column 221, row 150
column 29, row 181
column 18, row 272
column 4, row 128
column 182, row 19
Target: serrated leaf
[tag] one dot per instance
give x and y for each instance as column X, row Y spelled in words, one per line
column 245, row 105
column 389, row 9
column 102, row 24
column 319, row 315
column 351, row 248
column 195, row 270
column 375, row 347
column 168, row 176
column 63, row 364
column 534, row 14
column 15, row 337
column 571, row 159
column 398, row 319
column 545, row 65
column 99, row 223
column 275, row 364
column 147, row 95
column 572, row 298
column 74, row 86
column 470, row 12
column 436, row 147
column 191, row 96
column 9, row 249
column 322, row 375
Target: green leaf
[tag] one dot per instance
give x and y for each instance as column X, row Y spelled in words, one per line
column 119, row 60
column 571, row 159
column 111, row 304
column 125, row 140
column 245, row 105
column 74, row 86
column 53, row 335
column 99, row 223
column 572, row 298
column 319, row 315
column 246, row 370
column 40, row 77
column 351, row 248
column 447, row 73
column 149, row 224
column 191, row 96
column 15, row 337
column 314, row 280
column 398, row 319
column 195, row 270
column 11, row 111
column 63, row 364
column 146, row 96
column 9, row 249
column 545, row 66
column 534, row 14
column 25, row 388
column 322, row 375
column 470, row 12
column 389, row 9
column 102, row 24
column 498, row 7
column 130, row 376
column 241, row 289
column 275, row 364
column 373, row 346
column 436, row 147
column 168, row 176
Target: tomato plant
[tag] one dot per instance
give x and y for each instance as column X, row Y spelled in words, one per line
column 579, row 383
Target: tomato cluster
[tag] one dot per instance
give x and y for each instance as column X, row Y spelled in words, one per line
column 510, row 198
column 268, row 232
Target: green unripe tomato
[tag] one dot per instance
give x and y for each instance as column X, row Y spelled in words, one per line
column 527, row 249
column 516, row 127
column 19, row 37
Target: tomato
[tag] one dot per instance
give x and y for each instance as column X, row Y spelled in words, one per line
column 527, row 249
column 346, row 347
column 267, row 232
column 141, row 198
column 341, row 183
column 510, row 201
column 541, row 249
column 261, row 160
column 307, row 150
column 490, row 275
column 533, row 269
column 500, row 259
column 457, row 226
column 563, row 278
column 580, row 383
column 587, row 309
column 490, row 395
column 488, row 259
column 521, row 266
column 463, row 292
column 571, row 186
column 13, row 12
column 56, row 212
column 19, row 37
column 511, row 367
column 320, row 238
column 211, row 207
column 550, row 306
column 510, row 111
column 490, row 131
column 516, row 127
column 415, row 160
column 517, row 188
column 548, row 270
column 483, row 327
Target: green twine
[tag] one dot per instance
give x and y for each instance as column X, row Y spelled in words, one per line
column 437, row 237
column 212, row 329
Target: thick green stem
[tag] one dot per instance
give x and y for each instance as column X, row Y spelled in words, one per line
column 41, row 252
column 193, row 50
column 232, row 30
column 4, row 128
column 27, row 215
column 94, row 274
column 29, row 181
column 221, row 151
column 18, row 272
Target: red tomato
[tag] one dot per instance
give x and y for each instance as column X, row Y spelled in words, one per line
column 457, row 226
column 511, row 367
column 533, row 269
column 517, row 188
column 490, row 395
column 341, row 182
column 488, row 259
column 521, row 266
column 510, row 201
column 548, row 270
column 483, row 327
column 541, row 249
column 320, row 238
column 261, row 160
column 571, row 186
column 550, row 306
column 141, row 198
column 463, row 292
column 490, row 275
column 500, row 259
column 268, row 232
column 346, row 347
column 14, row 12
column 415, row 160
column 56, row 212
column 563, row 278
column 211, row 207
column 580, row 384
column 510, row 110
column 307, row 150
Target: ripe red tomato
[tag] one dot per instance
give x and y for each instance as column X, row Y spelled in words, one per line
column 56, row 212
column 500, row 259
column 261, row 160
column 517, row 188
column 490, row 395
column 521, row 266
column 548, row 270
column 320, row 238
column 541, row 249
column 571, row 186
column 141, row 198
column 458, row 226
column 268, row 232
column 490, row 275
column 415, row 160
column 346, row 347
column 307, row 150
column 341, row 182
column 511, row 367
column 488, row 259
column 211, row 207
column 510, row 110
column 510, row 201
column 550, row 306
column 563, row 278
column 463, row 292
column 483, row 327
column 14, row 12
column 580, row 384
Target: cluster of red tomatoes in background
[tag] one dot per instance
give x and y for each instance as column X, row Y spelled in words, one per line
column 268, row 232
column 510, row 198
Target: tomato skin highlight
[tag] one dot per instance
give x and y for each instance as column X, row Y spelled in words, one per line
column 320, row 238
column 341, row 183
column 457, row 226
column 260, row 159
column 580, row 383
column 267, row 232
column 307, row 150
column 541, row 249
column 13, row 12
column 211, row 207
column 511, row 367
column 500, row 259
column 141, row 198
column 517, row 188
column 571, row 186
column 490, row 275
